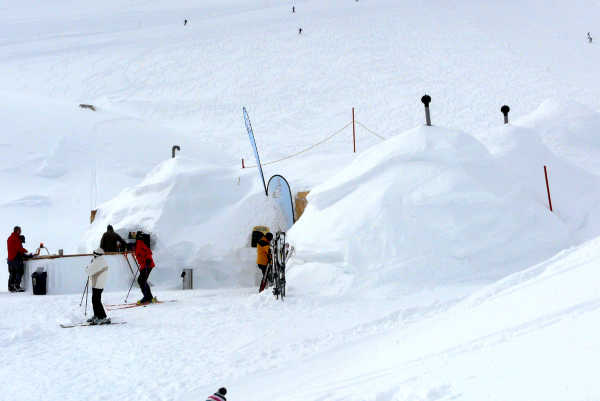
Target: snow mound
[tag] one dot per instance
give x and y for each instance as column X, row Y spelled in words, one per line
column 199, row 215
column 575, row 192
column 570, row 130
column 428, row 206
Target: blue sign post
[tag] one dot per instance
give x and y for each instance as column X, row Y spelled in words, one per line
column 253, row 143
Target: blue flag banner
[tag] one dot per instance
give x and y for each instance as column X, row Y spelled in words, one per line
column 253, row 143
column 279, row 190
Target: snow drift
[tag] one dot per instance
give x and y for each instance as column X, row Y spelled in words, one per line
column 434, row 205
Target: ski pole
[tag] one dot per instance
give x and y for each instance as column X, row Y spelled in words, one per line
column 84, row 290
column 131, row 286
column 87, row 292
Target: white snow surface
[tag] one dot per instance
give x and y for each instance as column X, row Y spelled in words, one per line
column 427, row 265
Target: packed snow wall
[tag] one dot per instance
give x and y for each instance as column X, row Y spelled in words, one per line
column 66, row 275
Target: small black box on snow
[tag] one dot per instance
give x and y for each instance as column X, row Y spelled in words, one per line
column 38, row 282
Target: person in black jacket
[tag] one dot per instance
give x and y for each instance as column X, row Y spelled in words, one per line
column 111, row 241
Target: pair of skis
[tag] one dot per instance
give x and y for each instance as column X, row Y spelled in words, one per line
column 112, row 307
column 85, row 324
column 275, row 272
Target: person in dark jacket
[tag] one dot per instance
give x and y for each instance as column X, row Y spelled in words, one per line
column 263, row 258
column 143, row 254
column 111, row 241
column 263, row 250
column 15, row 258
column 218, row 396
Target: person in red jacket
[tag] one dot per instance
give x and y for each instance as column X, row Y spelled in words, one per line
column 143, row 254
column 15, row 257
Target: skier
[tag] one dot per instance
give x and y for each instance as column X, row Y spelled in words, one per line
column 111, row 241
column 15, row 261
column 97, row 272
column 143, row 254
column 589, row 37
column 293, row 9
column 218, row 396
column 184, row 22
column 299, row 31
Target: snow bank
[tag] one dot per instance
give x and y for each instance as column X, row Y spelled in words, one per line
column 200, row 216
column 433, row 205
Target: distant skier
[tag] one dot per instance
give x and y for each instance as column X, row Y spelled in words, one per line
column 97, row 272
column 299, row 31
column 218, row 396
column 263, row 257
column 111, row 241
column 589, row 37
column 15, row 260
column 143, row 254
column 185, row 22
column 293, row 9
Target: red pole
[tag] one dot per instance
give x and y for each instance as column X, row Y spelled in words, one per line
column 353, row 131
column 243, row 163
column 548, row 187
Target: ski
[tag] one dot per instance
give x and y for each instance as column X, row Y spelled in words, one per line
column 135, row 305
column 85, row 324
column 265, row 280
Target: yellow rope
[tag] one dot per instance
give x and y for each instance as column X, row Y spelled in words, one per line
column 371, row 131
column 307, row 149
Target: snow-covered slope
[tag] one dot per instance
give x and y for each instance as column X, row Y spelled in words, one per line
column 159, row 83
column 526, row 337
column 392, row 292
column 529, row 336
